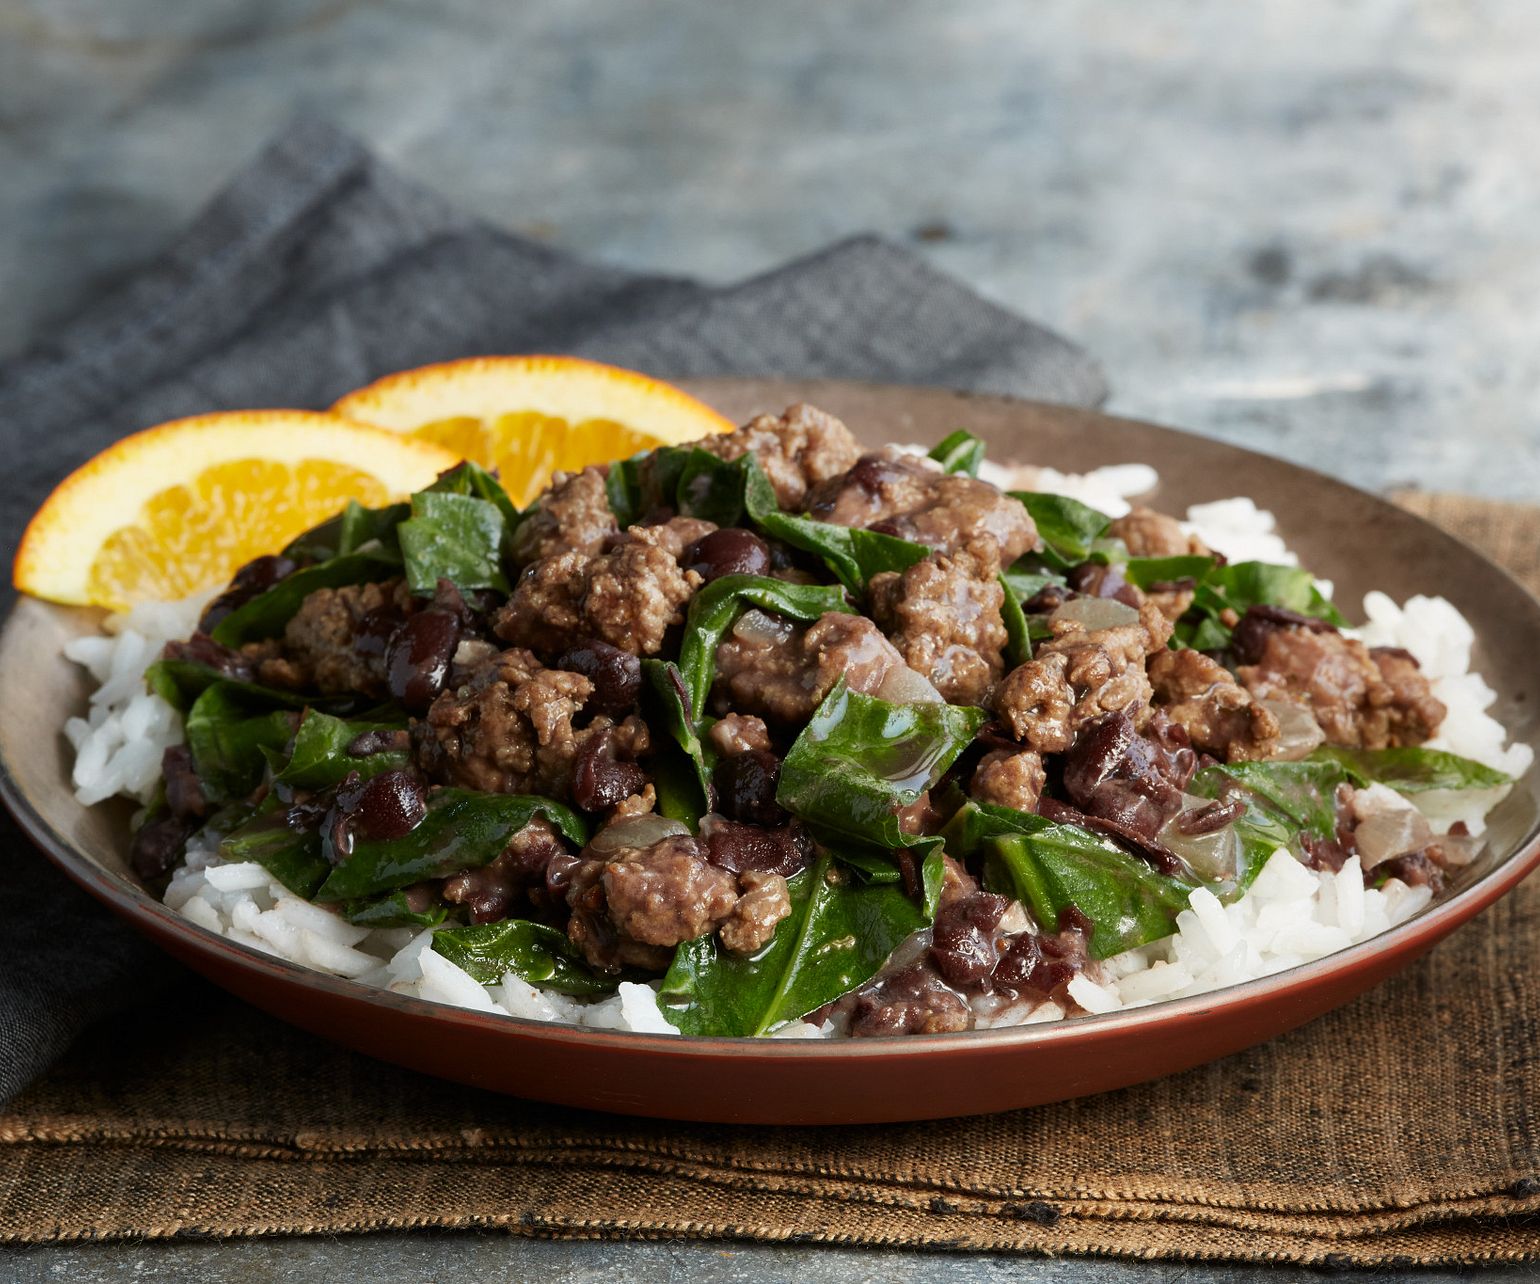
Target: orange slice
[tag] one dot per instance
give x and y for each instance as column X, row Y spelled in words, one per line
column 180, row 507
column 528, row 416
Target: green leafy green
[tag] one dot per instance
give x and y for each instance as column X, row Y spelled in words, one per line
column 975, row 823
column 1285, row 803
column 840, row 931
column 860, row 760
column 1068, row 528
column 347, row 532
column 539, row 954
column 1411, row 769
column 959, row 452
column 180, row 682
column 394, row 909
column 289, row 852
column 320, row 755
column 1018, row 631
column 227, row 738
column 453, row 537
column 1146, row 572
column 1244, row 584
column 266, row 614
column 715, row 608
column 682, row 781
column 1062, row 866
column 469, row 478
column 1027, row 577
column 462, row 830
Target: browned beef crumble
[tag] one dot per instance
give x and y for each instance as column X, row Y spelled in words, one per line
column 1219, row 715
column 797, row 450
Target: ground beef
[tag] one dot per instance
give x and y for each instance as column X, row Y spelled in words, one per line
column 798, row 450
column 763, row 902
column 898, row 493
column 785, row 678
column 489, row 893
column 572, row 515
column 1079, row 676
column 633, row 906
column 1147, row 533
column 1009, row 778
column 943, row 615
column 738, row 733
column 629, row 597
column 673, row 536
column 336, row 641
column 1357, row 698
column 1219, row 715
column 508, row 729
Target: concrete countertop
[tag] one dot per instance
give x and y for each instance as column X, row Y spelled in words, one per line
column 1309, row 229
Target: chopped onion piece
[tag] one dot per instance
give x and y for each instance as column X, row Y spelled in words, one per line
column 762, row 628
column 636, row 831
column 1096, row 613
column 1300, row 735
column 902, row 685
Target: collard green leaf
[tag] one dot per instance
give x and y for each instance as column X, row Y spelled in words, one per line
column 1411, row 769
column 975, row 823
column 1285, row 802
column 320, row 756
column 839, row 932
column 682, row 781
column 462, row 830
column 959, row 452
column 1068, row 528
column 1243, row 584
column 717, row 606
column 710, row 488
column 227, row 734
column 1146, row 572
column 1027, row 577
column 394, row 909
column 266, row 614
column 1018, row 632
column 289, row 853
column 860, row 760
column 453, row 537
column 180, row 682
column 349, row 531
column 470, row 478
column 1064, row 866
column 539, row 954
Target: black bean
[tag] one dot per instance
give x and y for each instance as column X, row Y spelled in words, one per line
column 256, row 577
column 736, row 847
column 616, row 675
column 391, row 805
column 158, row 845
column 384, row 740
column 729, row 551
column 418, row 657
column 184, row 791
column 746, row 785
column 599, row 781
column 963, row 945
column 202, row 649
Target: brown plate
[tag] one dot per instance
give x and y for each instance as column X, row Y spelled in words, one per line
column 1359, row 541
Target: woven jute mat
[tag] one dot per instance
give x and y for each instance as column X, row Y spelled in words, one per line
column 1401, row 1129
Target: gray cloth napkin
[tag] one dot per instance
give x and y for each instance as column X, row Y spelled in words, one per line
column 318, row 270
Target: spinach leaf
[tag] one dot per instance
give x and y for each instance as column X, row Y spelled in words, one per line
column 180, row 682
column 1027, row 577
column 1068, row 528
column 710, row 488
column 1411, row 769
column 320, row 755
column 646, row 481
column 852, row 554
column 291, row 855
column 453, row 537
column 1146, row 572
column 975, row 823
column 227, row 737
column 860, row 760
column 266, row 614
column 1064, row 866
column 1018, row 632
column 468, row 478
column 959, row 452
column 839, row 932
column 347, row 532
column 1242, row 584
column 394, row 909
column 1285, row 803
column 683, row 781
column 538, row 954
column 462, row 830
column 715, row 608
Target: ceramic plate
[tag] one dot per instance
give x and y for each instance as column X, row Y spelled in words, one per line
column 1356, row 540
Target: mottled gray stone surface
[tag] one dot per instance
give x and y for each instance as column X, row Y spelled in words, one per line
column 1309, row 228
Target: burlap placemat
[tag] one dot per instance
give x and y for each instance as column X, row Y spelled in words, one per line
column 1399, row 1130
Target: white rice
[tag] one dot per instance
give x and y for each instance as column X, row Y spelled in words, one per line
column 1290, row 916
